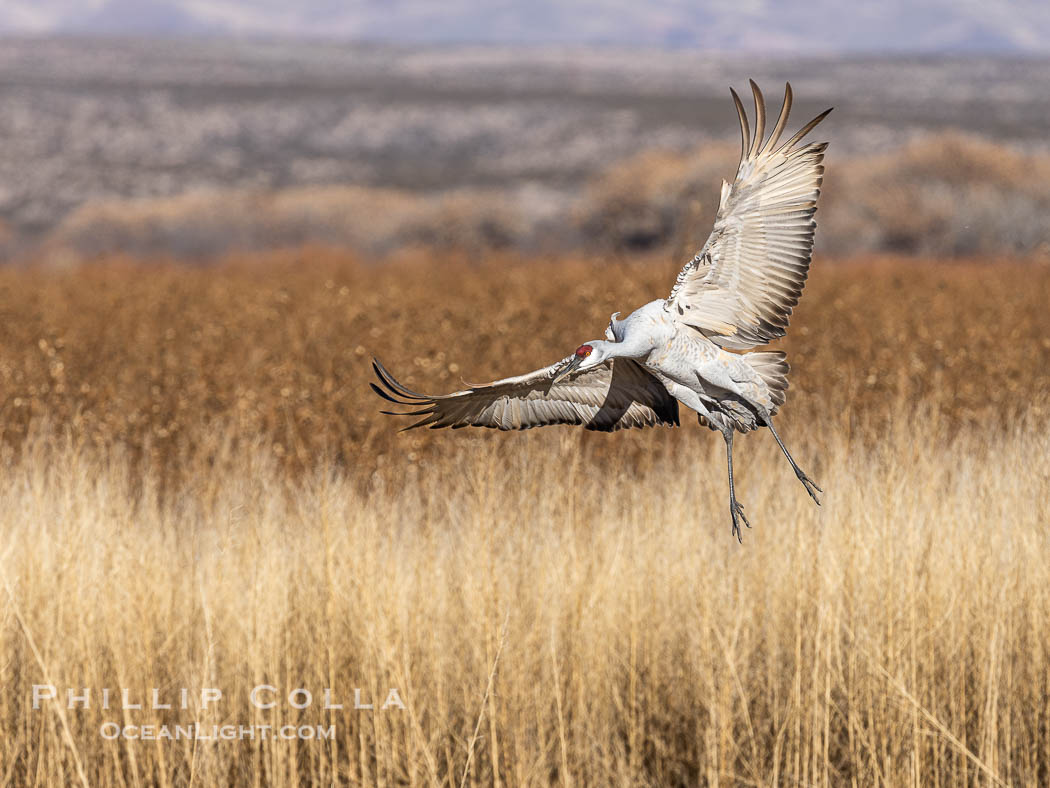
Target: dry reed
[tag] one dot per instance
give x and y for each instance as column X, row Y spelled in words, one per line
column 553, row 607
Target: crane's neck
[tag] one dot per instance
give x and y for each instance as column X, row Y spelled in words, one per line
column 635, row 344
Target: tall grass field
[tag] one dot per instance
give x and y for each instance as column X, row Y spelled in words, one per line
column 221, row 565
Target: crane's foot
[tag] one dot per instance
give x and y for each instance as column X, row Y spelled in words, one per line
column 809, row 484
column 737, row 511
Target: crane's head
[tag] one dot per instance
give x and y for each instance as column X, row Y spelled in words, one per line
column 586, row 356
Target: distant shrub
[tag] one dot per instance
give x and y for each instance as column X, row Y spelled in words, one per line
column 945, row 195
column 655, row 199
column 210, row 223
column 948, row 195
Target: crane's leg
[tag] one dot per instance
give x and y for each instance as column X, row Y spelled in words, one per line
column 808, row 483
column 735, row 509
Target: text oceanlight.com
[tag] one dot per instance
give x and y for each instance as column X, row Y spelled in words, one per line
column 111, row 730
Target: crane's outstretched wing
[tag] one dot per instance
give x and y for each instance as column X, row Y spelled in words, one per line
column 611, row 396
column 740, row 288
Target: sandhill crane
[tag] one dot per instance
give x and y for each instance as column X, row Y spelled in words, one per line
column 735, row 294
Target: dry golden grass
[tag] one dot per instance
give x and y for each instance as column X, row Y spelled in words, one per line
column 198, row 492
column 163, row 359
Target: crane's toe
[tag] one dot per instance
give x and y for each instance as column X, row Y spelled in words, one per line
column 737, row 512
column 810, row 485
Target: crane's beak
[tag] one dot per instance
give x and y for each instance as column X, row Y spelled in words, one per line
column 567, row 369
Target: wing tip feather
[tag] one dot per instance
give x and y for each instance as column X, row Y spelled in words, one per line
column 745, row 128
column 806, row 130
column 760, row 119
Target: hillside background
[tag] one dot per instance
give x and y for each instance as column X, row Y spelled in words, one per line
column 191, row 147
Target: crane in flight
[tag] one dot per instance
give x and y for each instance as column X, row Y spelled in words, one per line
column 737, row 293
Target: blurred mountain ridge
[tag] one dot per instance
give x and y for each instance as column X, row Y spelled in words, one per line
column 817, row 26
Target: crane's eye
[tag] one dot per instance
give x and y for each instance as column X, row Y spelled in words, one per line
column 583, row 351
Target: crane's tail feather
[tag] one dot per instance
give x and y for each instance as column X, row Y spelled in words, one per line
column 772, row 367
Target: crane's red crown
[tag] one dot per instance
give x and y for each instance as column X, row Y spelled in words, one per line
column 583, row 351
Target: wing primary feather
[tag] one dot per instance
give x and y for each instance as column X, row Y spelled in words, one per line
column 760, row 120
column 392, row 383
column 387, row 397
column 385, row 377
column 745, row 129
column 778, row 129
column 806, row 130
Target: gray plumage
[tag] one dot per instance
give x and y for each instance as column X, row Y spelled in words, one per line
column 608, row 397
column 740, row 288
column 737, row 293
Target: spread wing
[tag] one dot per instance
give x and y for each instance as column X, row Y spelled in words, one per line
column 740, row 288
column 611, row 396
